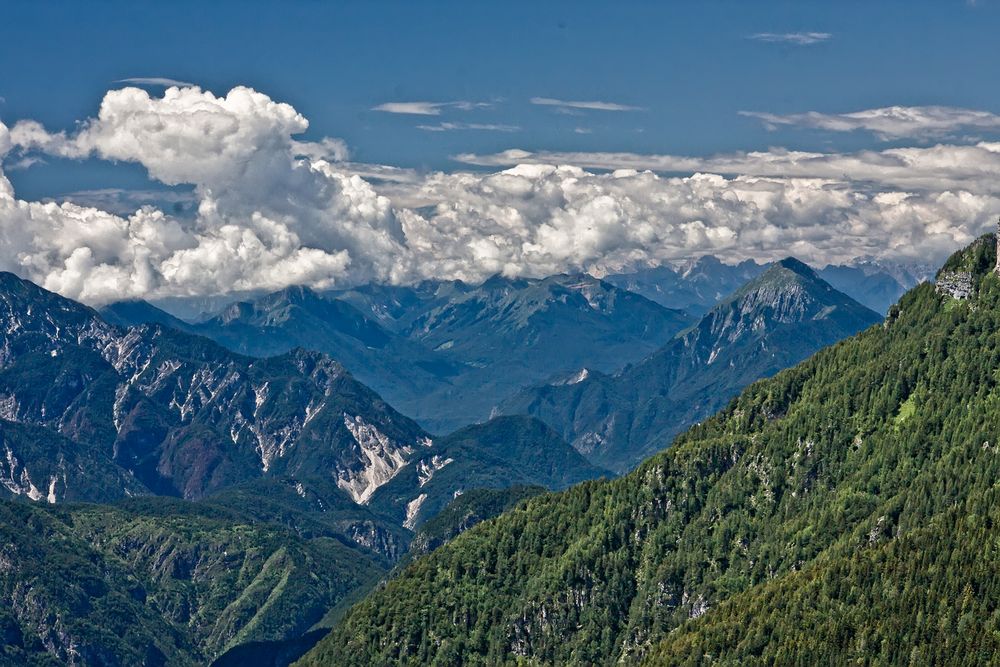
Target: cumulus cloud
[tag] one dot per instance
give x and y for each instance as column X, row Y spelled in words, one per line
column 428, row 108
column 541, row 218
column 794, row 38
column 270, row 210
column 889, row 123
column 592, row 105
column 154, row 81
column 265, row 208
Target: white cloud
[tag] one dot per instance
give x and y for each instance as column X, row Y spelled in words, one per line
column 889, row 123
column 483, row 127
column 428, row 108
column 326, row 148
column 796, row 38
column 154, row 81
column 589, row 105
column 540, row 219
column 269, row 211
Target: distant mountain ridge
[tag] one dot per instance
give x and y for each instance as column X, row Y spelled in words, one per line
column 782, row 316
column 693, row 288
column 446, row 352
column 155, row 410
column 698, row 285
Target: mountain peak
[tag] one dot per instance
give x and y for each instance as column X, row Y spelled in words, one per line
column 296, row 293
column 793, row 264
column 788, row 291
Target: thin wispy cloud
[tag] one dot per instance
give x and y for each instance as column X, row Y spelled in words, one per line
column 795, row 38
column 591, row 105
column 582, row 130
column 428, row 108
column 889, row 123
column 482, row 127
column 939, row 167
column 155, row 81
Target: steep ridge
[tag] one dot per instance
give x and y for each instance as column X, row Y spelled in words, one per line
column 182, row 414
column 844, row 510
column 771, row 323
column 150, row 409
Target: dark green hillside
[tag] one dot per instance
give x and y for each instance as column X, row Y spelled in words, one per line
column 464, row 512
column 158, row 582
column 842, row 511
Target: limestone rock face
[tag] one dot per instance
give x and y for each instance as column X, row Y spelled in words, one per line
column 956, row 284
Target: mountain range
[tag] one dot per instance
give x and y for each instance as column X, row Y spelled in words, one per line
column 447, row 353
column 777, row 319
column 843, row 511
column 699, row 284
column 287, row 450
column 213, row 457
column 443, row 353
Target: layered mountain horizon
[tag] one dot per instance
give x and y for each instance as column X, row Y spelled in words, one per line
column 253, row 422
column 693, row 285
column 775, row 320
column 432, row 350
column 841, row 511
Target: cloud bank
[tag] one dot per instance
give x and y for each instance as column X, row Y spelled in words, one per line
column 272, row 210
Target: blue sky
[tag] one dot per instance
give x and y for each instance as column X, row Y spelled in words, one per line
column 830, row 131
column 691, row 67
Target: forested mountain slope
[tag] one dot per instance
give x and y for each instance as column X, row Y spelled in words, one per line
column 159, row 582
column 844, row 510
